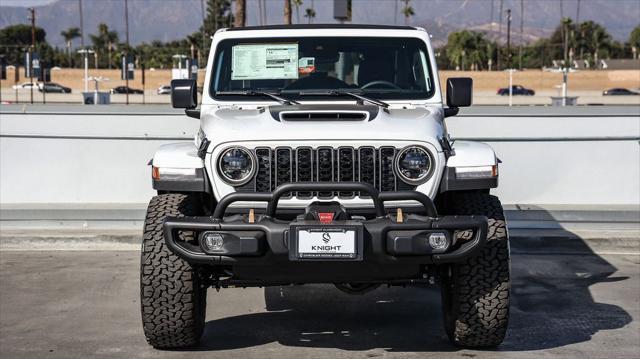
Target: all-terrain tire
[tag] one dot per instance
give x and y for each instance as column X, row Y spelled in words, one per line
column 475, row 293
column 172, row 297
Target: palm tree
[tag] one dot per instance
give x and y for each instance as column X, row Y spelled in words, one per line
column 407, row 11
column 310, row 14
column 287, row 12
column 104, row 40
column 240, row 15
column 69, row 35
column 297, row 4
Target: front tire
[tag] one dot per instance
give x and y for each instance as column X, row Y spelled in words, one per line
column 475, row 293
column 172, row 296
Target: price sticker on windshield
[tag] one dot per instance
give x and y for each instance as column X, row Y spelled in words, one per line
column 264, row 62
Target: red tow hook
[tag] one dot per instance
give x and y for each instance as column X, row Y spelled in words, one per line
column 325, row 217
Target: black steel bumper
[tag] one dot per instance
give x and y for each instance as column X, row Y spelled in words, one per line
column 384, row 241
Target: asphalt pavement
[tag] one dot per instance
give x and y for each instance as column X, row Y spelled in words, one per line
column 567, row 302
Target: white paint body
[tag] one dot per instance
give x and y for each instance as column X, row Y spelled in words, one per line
column 249, row 124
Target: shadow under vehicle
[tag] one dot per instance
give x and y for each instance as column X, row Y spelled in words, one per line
column 552, row 307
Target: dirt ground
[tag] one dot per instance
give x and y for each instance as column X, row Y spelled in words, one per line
column 485, row 81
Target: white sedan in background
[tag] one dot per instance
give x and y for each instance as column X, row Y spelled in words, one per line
column 164, row 90
column 25, row 86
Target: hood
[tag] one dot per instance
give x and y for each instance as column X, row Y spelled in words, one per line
column 321, row 122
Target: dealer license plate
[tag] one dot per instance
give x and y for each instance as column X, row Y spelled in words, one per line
column 326, row 242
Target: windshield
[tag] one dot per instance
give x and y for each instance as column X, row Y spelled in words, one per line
column 383, row 68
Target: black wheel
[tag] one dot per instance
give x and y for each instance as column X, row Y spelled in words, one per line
column 172, row 297
column 475, row 293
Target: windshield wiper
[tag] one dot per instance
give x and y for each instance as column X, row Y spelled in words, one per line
column 273, row 96
column 355, row 95
column 362, row 98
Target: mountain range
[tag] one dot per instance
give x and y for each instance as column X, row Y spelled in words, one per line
column 166, row 20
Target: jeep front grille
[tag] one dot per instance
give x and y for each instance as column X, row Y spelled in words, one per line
column 277, row 166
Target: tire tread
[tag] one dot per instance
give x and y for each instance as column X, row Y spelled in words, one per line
column 172, row 299
column 479, row 288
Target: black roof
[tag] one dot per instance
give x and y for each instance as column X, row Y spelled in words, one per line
column 322, row 26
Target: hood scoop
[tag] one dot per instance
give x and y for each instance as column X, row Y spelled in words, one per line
column 323, row 116
column 300, row 113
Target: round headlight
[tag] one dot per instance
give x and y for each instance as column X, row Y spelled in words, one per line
column 414, row 165
column 236, row 165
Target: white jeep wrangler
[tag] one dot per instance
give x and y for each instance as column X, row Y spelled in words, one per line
column 323, row 157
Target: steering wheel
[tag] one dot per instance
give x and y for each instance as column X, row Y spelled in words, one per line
column 381, row 82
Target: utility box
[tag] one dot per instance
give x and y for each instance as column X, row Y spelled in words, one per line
column 564, row 101
column 96, row 98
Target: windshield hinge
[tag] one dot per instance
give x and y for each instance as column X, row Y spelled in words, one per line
column 202, row 150
column 446, row 147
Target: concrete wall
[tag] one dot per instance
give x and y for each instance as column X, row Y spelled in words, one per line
column 79, row 155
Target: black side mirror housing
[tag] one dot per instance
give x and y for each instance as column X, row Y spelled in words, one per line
column 459, row 92
column 184, row 94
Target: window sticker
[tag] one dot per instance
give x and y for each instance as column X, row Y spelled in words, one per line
column 306, row 65
column 264, row 61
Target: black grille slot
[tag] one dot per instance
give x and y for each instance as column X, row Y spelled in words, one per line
column 387, row 177
column 304, row 166
column 263, row 176
column 323, row 116
column 346, row 168
column 284, row 169
column 367, row 162
column 325, row 169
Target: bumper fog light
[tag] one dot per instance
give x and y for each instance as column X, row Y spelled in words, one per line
column 212, row 242
column 438, row 241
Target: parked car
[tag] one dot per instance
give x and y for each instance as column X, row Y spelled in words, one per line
column 619, row 91
column 516, row 90
column 53, row 87
column 25, row 86
column 125, row 89
column 164, row 90
column 300, row 176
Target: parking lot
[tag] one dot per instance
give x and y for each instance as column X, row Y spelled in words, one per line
column 567, row 302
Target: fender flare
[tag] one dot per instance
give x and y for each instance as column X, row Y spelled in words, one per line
column 469, row 154
column 179, row 156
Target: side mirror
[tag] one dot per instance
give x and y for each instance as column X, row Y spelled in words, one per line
column 459, row 92
column 184, row 94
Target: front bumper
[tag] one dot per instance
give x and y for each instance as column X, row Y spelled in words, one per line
column 389, row 248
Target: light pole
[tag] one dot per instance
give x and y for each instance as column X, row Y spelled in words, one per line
column 126, row 57
column 32, row 11
column 509, row 38
column 509, row 57
column 81, row 24
column 85, row 53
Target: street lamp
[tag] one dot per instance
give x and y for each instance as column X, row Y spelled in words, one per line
column 85, row 53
